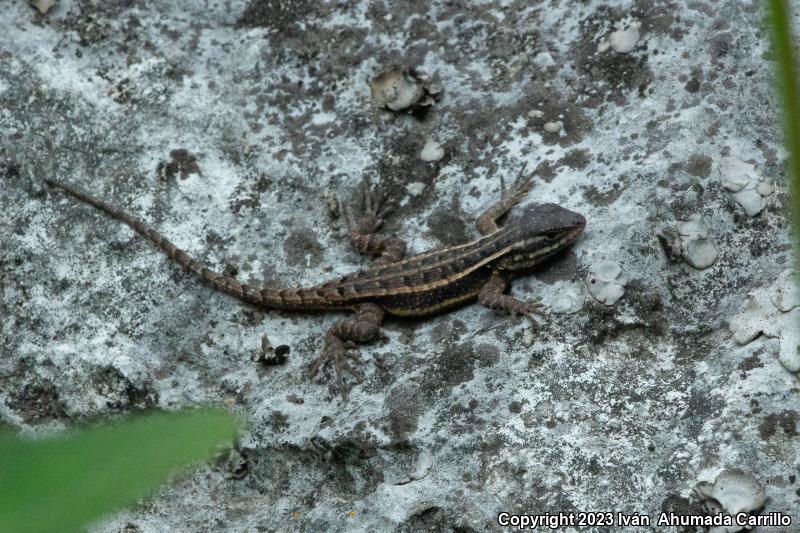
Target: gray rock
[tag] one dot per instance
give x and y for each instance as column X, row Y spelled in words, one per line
column 229, row 126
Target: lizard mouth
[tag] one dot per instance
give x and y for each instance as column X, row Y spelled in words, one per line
column 576, row 232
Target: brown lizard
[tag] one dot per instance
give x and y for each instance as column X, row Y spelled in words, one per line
column 427, row 283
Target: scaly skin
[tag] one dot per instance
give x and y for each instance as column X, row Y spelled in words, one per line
column 425, row 284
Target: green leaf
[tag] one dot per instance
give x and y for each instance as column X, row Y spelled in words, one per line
column 63, row 483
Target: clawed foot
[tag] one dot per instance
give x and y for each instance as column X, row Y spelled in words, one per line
column 487, row 222
column 534, row 311
column 528, row 309
column 339, row 353
column 518, row 190
column 373, row 211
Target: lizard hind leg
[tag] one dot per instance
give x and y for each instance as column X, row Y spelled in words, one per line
column 343, row 337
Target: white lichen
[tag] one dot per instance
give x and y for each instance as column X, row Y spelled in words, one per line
column 569, row 298
column 746, row 184
column 419, row 469
column 415, row 188
column 42, row 5
column 762, row 313
column 606, row 282
column 422, row 466
column 698, row 248
column 432, row 151
column 528, row 337
column 734, row 491
column 553, row 127
column 623, row 41
column 403, row 89
column 785, row 293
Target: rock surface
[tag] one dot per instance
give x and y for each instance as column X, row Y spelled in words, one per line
column 232, row 128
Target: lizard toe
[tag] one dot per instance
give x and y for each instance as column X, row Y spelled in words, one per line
column 339, row 353
column 534, row 307
column 356, row 373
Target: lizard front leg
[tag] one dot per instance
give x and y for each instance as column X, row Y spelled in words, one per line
column 363, row 234
column 345, row 335
column 492, row 296
column 487, row 222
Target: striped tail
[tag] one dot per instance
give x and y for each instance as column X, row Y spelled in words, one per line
column 262, row 296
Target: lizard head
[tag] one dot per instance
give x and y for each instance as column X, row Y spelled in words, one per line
column 544, row 229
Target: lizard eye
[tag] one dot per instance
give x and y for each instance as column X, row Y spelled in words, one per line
column 551, row 235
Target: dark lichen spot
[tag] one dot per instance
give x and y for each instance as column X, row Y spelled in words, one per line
column 699, row 165
column 487, row 354
column 680, row 505
column 433, row 519
column 701, row 406
column 281, row 15
column 248, row 193
column 545, row 171
column 404, row 406
column 786, row 421
column 597, row 198
column 720, row 45
column 121, row 392
column 278, row 421
column 302, row 243
column 9, row 168
column 750, row 363
column 576, row 159
column 38, row 402
column 453, row 366
column 448, row 227
column 555, row 107
column 612, row 74
column 233, row 463
column 181, row 163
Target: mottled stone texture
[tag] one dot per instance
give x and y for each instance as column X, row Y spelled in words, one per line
column 233, row 127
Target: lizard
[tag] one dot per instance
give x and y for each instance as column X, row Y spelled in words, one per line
column 425, row 284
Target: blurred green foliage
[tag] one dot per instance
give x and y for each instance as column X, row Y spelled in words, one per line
column 779, row 24
column 65, row 482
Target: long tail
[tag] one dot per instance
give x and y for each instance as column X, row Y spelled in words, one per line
column 262, row 296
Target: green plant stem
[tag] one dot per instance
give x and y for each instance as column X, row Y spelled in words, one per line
column 779, row 21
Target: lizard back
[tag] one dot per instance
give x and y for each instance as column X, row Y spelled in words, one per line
column 426, row 283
